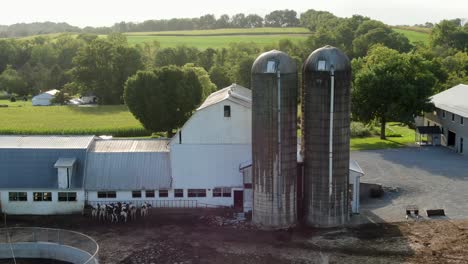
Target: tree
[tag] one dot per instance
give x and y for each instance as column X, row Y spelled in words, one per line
column 61, row 98
column 238, row 21
column 314, row 20
column 164, row 98
column 223, row 21
column 450, row 33
column 12, row 82
column 254, row 21
column 206, row 58
column 207, row 22
column 103, row 68
column 282, row 18
column 391, row 86
column 219, row 76
column 178, row 56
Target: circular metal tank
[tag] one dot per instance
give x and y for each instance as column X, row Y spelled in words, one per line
column 326, row 190
column 274, row 139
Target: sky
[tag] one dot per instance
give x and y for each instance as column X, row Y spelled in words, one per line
column 107, row 12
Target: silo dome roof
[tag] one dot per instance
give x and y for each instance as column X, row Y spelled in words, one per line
column 321, row 60
column 264, row 63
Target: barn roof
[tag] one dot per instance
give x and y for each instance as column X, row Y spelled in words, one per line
column 128, row 165
column 234, row 92
column 453, row 100
column 45, row 142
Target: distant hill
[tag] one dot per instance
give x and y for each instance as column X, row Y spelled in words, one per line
column 38, row 28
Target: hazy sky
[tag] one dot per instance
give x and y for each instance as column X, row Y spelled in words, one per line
column 107, row 12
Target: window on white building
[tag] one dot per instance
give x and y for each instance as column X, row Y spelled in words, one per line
column 453, row 117
column 222, row 192
column 136, row 194
column 17, row 196
column 443, row 113
column 196, row 192
column 42, row 196
column 67, row 196
column 163, row 193
column 149, row 194
column 461, row 120
column 227, row 111
column 178, row 193
column 107, row 194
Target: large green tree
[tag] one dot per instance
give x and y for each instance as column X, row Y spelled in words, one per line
column 12, row 82
column 164, row 98
column 103, row 67
column 391, row 86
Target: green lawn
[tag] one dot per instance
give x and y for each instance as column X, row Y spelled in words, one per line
column 414, row 36
column 367, row 143
column 226, row 31
column 23, row 118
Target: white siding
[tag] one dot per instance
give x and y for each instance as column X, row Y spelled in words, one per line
column 209, row 126
column 41, row 208
column 208, row 166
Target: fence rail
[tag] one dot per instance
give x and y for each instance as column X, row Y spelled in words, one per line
column 24, row 235
column 160, row 203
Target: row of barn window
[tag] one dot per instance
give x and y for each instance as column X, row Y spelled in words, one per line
column 453, row 117
column 178, row 193
column 42, row 196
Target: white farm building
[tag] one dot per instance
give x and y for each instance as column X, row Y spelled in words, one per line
column 206, row 164
column 45, row 98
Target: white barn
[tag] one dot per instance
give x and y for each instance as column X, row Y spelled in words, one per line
column 44, row 99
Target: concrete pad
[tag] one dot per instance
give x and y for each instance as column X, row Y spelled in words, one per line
column 428, row 177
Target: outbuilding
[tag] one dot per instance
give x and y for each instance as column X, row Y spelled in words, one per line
column 44, row 99
column 42, row 174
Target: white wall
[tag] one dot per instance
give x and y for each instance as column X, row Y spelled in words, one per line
column 126, row 196
column 208, row 166
column 41, row 208
column 209, row 126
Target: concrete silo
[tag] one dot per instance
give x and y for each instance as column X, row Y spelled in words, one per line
column 274, row 139
column 325, row 137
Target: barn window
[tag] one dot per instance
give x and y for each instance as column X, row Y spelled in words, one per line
column 196, row 192
column 178, row 193
column 222, row 192
column 163, row 193
column 67, row 196
column 227, row 111
column 149, row 194
column 461, row 120
column 17, row 196
column 42, row 196
column 453, row 117
column 108, row 194
column 136, row 194
column 443, row 113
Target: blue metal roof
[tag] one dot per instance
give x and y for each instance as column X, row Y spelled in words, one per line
column 34, row 168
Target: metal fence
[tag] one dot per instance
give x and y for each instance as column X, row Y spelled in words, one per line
column 153, row 203
column 11, row 238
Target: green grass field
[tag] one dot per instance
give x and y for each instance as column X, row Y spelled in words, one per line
column 226, row 31
column 414, row 36
column 23, row 118
column 406, row 138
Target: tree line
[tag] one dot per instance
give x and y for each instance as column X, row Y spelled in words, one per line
column 383, row 60
column 277, row 18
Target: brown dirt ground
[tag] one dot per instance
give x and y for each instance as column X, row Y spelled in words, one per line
column 175, row 236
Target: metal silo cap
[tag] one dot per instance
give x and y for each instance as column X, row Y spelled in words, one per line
column 272, row 61
column 324, row 58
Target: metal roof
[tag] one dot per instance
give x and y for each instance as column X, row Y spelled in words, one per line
column 429, row 130
column 235, row 93
column 130, row 145
column 327, row 55
column 45, row 142
column 453, row 100
column 65, row 163
column 34, row 168
column 273, row 60
column 123, row 164
column 354, row 166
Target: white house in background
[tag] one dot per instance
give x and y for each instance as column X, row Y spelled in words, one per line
column 44, row 98
column 207, row 152
column 42, row 174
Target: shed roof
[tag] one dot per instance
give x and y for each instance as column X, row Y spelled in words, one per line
column 49, row 94
column 453, row 100
column 45, row 142
column 128, row 165
column 65, row 163
column 130, row 145
column 429, row 130
column 234, row 92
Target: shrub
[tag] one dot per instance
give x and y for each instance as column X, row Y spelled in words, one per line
column 360, row 130
column 12, row 99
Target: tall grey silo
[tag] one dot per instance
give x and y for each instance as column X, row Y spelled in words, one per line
column 274, row 139
column 325, row 137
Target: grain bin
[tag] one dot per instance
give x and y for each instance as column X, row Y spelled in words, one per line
column 325, row 137
column 274, row 138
